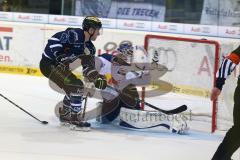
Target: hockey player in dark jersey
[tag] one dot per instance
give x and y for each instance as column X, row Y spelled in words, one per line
column 64, row 48
column 231, row 141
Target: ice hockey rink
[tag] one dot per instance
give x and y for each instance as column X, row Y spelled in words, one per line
column 24, row 138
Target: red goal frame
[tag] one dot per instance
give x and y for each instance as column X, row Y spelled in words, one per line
column 216, row 65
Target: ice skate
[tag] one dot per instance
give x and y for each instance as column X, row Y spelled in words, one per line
column 69, row 117
column 73, row 120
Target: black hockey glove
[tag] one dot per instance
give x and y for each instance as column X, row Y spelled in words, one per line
column 64, row 59
column 100, row 82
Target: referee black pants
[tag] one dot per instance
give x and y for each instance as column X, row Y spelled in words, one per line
column 231, row 141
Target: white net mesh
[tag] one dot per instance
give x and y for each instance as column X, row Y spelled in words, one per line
column 190, row 65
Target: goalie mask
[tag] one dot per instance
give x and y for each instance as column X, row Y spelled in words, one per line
column 125, row 54
column 126, row 49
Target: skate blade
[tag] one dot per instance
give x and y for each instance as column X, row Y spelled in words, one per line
column 77, row 128
column 65, row 124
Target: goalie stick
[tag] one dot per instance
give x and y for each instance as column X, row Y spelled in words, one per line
column 177, row 110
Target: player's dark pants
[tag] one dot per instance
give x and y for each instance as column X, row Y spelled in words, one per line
column 231, row 141
column 61, row 76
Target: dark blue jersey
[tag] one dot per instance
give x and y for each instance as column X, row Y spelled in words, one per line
column 68, row 45
column 107, row 56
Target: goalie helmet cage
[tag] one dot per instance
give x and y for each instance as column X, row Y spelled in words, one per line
column 162, row 41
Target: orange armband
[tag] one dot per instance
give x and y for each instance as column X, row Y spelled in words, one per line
column 235, row 58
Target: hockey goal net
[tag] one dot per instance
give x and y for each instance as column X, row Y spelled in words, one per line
column 191, row 68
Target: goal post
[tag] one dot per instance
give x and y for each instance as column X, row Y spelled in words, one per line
column 192, row 65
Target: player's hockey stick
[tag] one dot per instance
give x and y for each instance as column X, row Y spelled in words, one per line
column 43, row 122
column 85, row 106
column 172, row 111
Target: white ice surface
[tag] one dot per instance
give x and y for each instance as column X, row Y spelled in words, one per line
column 23, row 138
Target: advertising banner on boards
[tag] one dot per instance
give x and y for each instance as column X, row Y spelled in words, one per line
column 221, row 12
column 144, row 10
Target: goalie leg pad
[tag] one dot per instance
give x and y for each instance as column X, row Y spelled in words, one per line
column 140, row 119
column 110, row 111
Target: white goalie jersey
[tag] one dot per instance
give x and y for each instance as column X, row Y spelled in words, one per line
column 118, row 76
